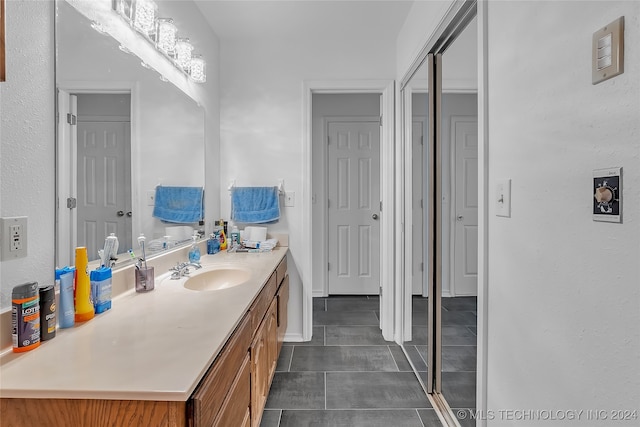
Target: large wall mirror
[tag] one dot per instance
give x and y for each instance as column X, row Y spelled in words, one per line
column 122, row 131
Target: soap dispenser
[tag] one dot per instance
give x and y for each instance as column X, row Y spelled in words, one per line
column 194, row 252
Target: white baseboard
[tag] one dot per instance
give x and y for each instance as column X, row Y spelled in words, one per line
column 293, row 338
column 317, row 294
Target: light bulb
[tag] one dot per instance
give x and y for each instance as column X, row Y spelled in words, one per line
column 198, row 69
column 166, row 36
column 183, row 53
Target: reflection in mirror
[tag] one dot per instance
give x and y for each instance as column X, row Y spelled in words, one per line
column 130, row 131
column 415, row 119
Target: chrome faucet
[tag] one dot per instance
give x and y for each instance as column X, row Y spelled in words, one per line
column 182, row 269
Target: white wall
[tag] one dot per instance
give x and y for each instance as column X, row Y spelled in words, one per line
column 27, row 141
column 563, row 290
column 261, row 119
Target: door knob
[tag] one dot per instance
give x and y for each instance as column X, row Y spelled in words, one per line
column 120, row 213
column 129, row 214
column 374, row 216
column 459, row 217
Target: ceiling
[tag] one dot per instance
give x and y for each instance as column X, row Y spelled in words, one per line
column 307, row 19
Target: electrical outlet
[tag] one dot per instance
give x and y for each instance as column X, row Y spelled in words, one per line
column 14, row 237
column 289, row 199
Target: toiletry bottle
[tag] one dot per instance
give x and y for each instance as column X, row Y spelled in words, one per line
column 235, row 236
column 101, row 289
column 25, row 317
column 194, row 252
column 84, row 306
column 223, row 237
column 47, row 312
column 66, row 316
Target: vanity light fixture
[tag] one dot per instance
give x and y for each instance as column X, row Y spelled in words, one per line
column 183, row 53
column 162, row 33
column 98, row 27
column 144, row 16
column 166, row 36
column 198, row 69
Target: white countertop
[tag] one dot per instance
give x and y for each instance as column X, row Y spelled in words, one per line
column 149, row 346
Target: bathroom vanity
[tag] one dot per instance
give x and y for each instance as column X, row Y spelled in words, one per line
column 170, row 357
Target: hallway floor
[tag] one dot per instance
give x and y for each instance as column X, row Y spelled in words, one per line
column 347, row 375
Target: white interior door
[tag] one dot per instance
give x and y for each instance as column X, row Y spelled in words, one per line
column 465, row 140
column 354, row 207
column 103, row 207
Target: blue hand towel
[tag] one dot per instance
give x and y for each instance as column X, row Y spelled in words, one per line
column 180, row 205
column 255, row 205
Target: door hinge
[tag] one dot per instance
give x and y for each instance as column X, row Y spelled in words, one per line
column 328, row 203
column 71, row 119
column 380, row 205
column 422, row 266
column 328, row 266
column 380, row 120
column 328, row 140
column 421, row 139
column 421, row 204
column 71, row 202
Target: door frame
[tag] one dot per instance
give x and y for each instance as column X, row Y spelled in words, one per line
column 325, row 193
column 66, row 160
column 386, row 88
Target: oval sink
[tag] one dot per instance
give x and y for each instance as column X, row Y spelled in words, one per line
column 220, row 278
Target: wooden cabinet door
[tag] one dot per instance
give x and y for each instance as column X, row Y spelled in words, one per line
column 236, row 405
column 271, row 321
column 259, row 374
column 283, row 300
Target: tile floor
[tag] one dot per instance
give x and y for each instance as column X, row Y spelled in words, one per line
column 347, row 375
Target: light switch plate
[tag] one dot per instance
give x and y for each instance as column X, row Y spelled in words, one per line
column 151, row 198
column 608, row 51
column 503, row 198
column 289, row 199
column 14, row 237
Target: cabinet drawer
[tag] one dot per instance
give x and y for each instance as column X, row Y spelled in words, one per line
column 208, row 397
column 281, row 270
column 236, row 407
column 262, row 302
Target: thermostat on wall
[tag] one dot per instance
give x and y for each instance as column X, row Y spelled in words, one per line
column 607, row 195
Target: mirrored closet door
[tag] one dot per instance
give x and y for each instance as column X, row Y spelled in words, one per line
column 440, row 140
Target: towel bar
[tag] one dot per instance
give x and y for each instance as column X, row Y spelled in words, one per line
column 232, row 184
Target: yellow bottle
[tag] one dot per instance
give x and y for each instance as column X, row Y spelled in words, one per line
column 84, row 306
column 223, row 238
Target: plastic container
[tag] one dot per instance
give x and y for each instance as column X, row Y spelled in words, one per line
column 25, row 317
column 47, row 312
column 66, row 309
column 194, row 252
column 235, row 237
column 213, row 244
column 84, row 306
column 101, row 289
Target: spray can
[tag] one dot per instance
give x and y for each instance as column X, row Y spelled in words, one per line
column 47, row 312
column 66, row 318
column 25, row 317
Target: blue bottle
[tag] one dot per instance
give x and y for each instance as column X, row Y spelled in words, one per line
column 194, row 252
column 66, row 311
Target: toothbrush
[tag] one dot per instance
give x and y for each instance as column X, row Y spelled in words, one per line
column 141, row 240
column 133, row 256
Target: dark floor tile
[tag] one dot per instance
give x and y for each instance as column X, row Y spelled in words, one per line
column 285, row 359
column 429, row 418
column 460, row 303
column 354, row 335
column 418, row 335
column 465, row 416
column 352, row 303
column 384, row 390
column 458, row 358
column 351, row 418
column 422, row 351
column 400, row 359
column 297, row 390
column 464, row 318
column 473, row 330
column 343, row 358
column 343, row 318
column 317, row 338
column 319, row 304
column 270, row 418
column 419, row 317
column 459, row 388
column 416, row 358
column 457, row 335
column 419, row 303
